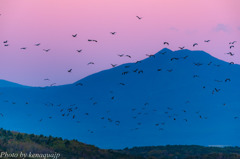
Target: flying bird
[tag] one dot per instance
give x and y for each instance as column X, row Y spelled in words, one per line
column 217, row 90
column 46, row 50
column 182, row 47
column 23, row 48
column 114, row 65
column 231, row 46
column 150, row 55
column 230, row 53
column 227, row 79
column 139, row 17
column 53, row 84
column 232, row 42
column 90, row 63
column 195, row 44
column 128, row 56
column 113, row 33
column 5, row 42
column 174, row 58
column 206, row 41
column 70, row 70
column 79, row 51
column 37, row 44
column 79, row 84
column 75, row 35
column 165, row 43
column 121, row 55
column 92, row 40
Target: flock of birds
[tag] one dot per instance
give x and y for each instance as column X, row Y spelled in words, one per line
column 69, row 110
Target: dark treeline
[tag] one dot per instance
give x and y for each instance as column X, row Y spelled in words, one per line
column 15, row 142
column 184, row 152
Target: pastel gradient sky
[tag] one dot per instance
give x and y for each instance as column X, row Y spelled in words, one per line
column 52, row 23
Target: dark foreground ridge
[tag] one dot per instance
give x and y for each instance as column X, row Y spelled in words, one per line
column 16, row 143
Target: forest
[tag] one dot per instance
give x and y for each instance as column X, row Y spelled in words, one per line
column 12, row 142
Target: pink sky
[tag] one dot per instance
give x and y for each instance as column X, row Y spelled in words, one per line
column 52, row 23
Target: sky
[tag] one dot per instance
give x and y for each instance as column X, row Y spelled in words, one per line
column 52, row 23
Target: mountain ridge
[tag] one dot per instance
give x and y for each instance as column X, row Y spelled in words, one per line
column 172, row 98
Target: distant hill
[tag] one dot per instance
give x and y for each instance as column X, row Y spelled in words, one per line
column 173, row 97
column 4, row 83
column 30, row 144
column 15, row 142
column 184, row 152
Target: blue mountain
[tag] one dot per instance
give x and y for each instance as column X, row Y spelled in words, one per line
column 172, row 97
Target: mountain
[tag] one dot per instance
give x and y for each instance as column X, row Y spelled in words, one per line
column 173, row 97
column 4, row 83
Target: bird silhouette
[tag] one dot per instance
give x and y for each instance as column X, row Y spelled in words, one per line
column 70, row 70
column 174, row 58
column 128, row 56
column 150, row 55
column 113, row 33
column 209, row 63
column 53, row 84
column 227, row 79
column 195, row 44
column 217, row 90
column 165, row 43
column 37, row 44
column 114, row 65
column 181, row 48
column 90, row 63
column 79, row 84
column 230, row 53
column 206, row 41
column 135, row 70
column 139, row 17
column 23, row 48
column 5, row 42
column 232, row 42
column 121, row 55
column 46, row 50
column 79, row 51
column 75, row 35
column 197, row 64
column 231, row 46
column 92, row 40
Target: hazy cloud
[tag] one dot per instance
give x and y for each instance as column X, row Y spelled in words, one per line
column 221, row 27
column 173, row 29
column 190, row 31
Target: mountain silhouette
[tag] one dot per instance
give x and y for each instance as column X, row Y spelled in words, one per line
column 174, row 97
